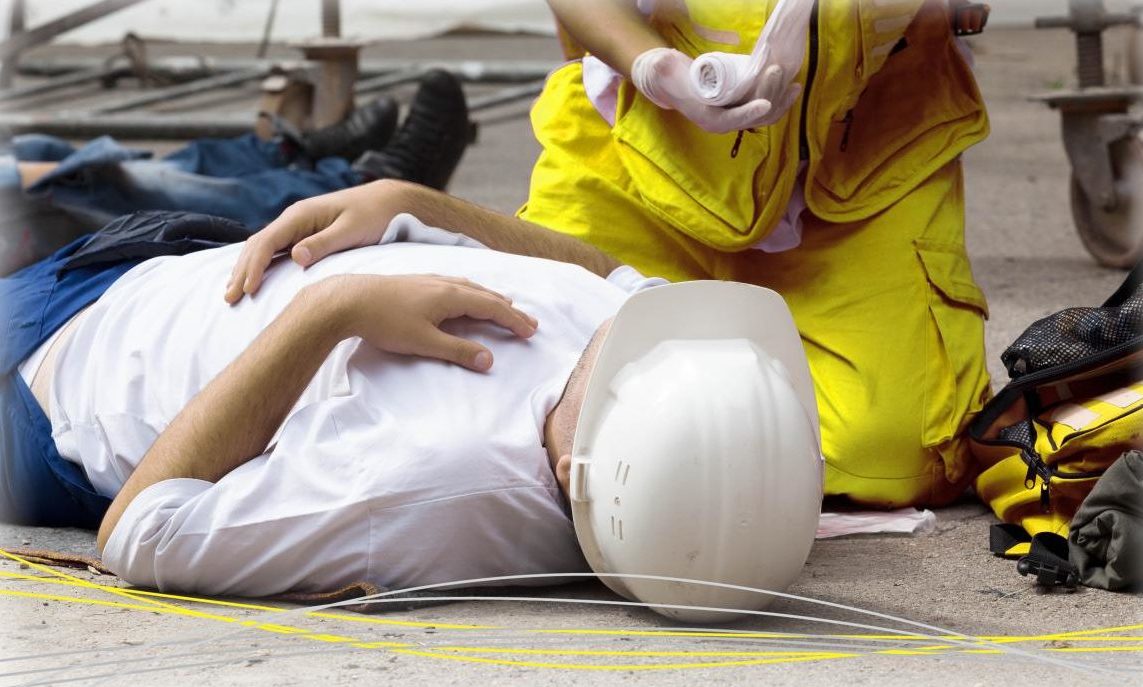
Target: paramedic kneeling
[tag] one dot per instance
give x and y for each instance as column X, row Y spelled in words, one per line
column 835, row 180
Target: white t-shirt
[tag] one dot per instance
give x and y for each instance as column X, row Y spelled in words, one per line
column 389, row 469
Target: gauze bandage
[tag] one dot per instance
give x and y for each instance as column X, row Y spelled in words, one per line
column 662, row 76
column 767, row 73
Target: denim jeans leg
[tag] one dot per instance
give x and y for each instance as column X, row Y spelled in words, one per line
column 254, row 200
column 30, row 228
column 40, row 148
column 229, row 157
column 9, row 173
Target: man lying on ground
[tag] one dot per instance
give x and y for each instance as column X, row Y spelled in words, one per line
column 288, row 442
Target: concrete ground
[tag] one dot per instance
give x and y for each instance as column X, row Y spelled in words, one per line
column 986, row 625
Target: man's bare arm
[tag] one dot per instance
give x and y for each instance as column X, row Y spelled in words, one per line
column 233, row 419
column 504, row 233
column 612, row 30
column 354, row 217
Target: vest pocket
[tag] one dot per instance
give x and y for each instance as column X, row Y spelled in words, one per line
column 956, row 378
column 688, row 178
column 918, row 110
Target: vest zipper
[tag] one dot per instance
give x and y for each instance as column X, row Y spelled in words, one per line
column 803, row 135
column 844, row 145
column 737, row 143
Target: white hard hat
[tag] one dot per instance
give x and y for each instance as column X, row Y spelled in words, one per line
column 697, row 453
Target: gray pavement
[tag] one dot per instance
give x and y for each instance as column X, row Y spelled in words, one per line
column 1029, row 262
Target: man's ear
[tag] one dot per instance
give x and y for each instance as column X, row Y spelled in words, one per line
column 563, row 472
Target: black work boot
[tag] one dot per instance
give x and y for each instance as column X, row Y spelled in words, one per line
column 429, row 144
column 368, row 128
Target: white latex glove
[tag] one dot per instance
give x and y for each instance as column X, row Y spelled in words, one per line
column 663, row 76
column 767, row 72
column 724, row 79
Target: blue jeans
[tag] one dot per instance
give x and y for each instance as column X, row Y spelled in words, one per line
column 37, row 485
column 245, row 179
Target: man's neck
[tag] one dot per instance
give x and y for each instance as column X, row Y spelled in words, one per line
column 555, row 444
column 560, row 424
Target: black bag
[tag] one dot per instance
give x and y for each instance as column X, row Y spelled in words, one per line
column 1073, row 406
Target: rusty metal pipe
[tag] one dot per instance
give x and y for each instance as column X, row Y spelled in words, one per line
column 331, row 18
column 181, row 91
column 45, row 32
column 126, row 127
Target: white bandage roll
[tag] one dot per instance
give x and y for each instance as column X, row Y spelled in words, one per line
column 725, row 79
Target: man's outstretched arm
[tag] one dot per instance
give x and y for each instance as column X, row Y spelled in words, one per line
column 234, row 417
column 355, row 217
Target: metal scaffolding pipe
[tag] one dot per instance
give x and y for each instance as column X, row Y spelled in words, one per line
column 513, row 71
column 181, row 91
column 384, row 81
column 268, row 29
column 330, row 18
column 183, row 126
column 45, row 32
column 506, row 95
column 15, row 26
column 154, row 126
column 150, row 126
column 64, row 81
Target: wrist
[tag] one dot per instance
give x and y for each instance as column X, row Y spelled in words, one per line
column 386, row 199
column 647, row 75
column 331, row 305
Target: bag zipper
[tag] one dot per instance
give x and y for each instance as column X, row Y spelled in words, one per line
column 1037, row 466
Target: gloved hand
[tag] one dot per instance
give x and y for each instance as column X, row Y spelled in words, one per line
column 726, row 79
column 769, row 70
column 662, row 75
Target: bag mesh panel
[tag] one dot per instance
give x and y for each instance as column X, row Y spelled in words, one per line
column 1022, row 433
column 1074, row 334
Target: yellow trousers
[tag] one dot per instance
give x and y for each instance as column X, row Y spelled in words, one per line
column 891, row 318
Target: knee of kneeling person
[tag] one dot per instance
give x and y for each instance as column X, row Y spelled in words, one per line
column 885, row 462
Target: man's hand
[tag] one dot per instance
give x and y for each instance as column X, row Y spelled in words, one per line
column 323, row 225
column 403, row 314
column 314, row 228
column 234, row 417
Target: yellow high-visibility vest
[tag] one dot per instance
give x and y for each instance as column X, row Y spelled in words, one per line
column 887, row 101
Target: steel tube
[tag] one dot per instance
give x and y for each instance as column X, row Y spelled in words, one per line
column 41, row 34
column 378, row 83
column 15, row 26
column 268, row 29
column 506, row 95
column 63, row 81
column 151, row 126
column 182, row 90
column 331, row 18
column 16, row 18
column 1089, row 59
column 470, row 70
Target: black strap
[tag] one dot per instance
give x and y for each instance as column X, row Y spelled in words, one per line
column 1047, row 557
column 1048, row 561
column 1129, row 286
column 1002, row 537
